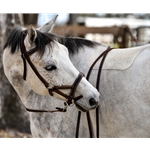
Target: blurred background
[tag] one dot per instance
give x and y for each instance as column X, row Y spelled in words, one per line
column 114, row 29
column 119, row 30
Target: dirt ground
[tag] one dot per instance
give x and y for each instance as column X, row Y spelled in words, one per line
column 11, row 133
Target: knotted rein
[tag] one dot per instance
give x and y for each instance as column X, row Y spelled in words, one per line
column 70, row 98
column 103, row 56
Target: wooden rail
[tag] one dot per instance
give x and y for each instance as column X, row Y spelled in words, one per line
column 82, row 30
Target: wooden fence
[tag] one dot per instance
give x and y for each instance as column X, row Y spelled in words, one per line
column 82, row 30
column 119, row 32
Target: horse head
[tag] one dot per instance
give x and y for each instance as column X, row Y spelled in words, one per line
column 50, row 59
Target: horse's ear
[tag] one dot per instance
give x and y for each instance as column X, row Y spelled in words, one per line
column 31, row 32
column 48, row 27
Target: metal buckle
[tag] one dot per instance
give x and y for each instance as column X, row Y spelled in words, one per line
column 72, row 104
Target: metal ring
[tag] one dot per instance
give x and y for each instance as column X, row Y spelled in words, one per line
column 72, row 104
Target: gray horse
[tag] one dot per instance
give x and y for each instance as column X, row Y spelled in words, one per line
column 124, row 90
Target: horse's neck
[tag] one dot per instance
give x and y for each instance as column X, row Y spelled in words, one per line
column 85, row 56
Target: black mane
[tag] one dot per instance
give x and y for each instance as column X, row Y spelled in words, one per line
column 73, row 44
column 13, row 40
column 15, row 36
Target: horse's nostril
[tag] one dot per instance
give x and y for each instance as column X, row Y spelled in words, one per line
column 92, row 102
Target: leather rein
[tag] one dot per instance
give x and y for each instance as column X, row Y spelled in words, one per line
column 71, row 99
column 103, row 56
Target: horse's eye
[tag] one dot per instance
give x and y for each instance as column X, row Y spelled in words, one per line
column 50, row 67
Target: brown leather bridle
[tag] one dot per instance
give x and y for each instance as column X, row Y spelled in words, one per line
column 70, row 98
